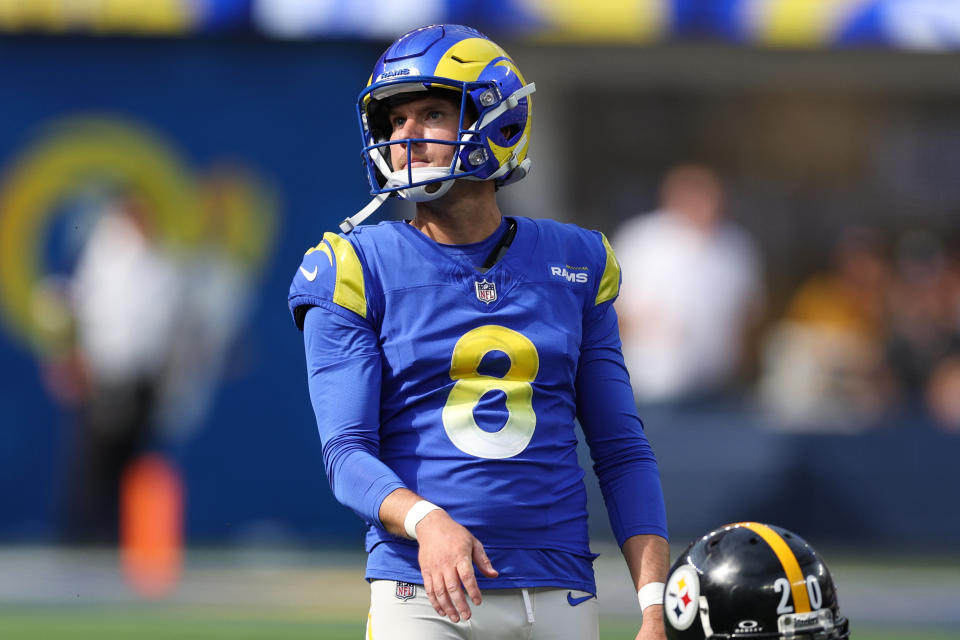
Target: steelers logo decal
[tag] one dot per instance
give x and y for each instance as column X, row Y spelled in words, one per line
column 682, row 597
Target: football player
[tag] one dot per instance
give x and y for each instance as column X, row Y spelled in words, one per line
column 752, row 580
column 448, row 357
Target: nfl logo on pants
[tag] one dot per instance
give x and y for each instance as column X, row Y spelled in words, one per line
column 406, row 590
column 486, row 291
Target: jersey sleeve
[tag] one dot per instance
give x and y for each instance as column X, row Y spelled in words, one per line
column 623, row 458
column 330, row 276
column 343, row 374
column 609, row 286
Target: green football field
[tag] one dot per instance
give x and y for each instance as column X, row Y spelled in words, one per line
column 53, row 594
column 187, row 623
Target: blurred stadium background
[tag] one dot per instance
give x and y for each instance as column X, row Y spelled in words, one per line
column 218, row 137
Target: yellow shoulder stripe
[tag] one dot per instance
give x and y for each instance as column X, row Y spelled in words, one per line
column 791, row 567
column 348, row 291
column 610, row 282
column 322, row 247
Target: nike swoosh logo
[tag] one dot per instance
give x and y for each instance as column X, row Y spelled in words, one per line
column 309, row 275
column 575, row 601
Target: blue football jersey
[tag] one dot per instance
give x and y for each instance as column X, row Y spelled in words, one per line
column 477, row 400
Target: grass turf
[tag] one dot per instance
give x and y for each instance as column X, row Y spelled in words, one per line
column 188, row 623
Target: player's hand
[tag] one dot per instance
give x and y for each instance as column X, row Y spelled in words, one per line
column 652, row 627
column 447, row 555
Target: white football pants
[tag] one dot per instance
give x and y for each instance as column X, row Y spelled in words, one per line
column 400, row 611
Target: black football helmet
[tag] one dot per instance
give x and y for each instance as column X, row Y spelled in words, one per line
column 751, row 580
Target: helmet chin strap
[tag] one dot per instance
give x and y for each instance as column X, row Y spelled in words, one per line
column 349, row 223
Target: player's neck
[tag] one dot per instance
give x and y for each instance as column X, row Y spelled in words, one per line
column 467, row 213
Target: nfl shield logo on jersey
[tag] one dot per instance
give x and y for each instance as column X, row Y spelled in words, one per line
column 406, row 590
column 486, row 291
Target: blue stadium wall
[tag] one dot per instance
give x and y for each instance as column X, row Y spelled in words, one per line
column 283, row 111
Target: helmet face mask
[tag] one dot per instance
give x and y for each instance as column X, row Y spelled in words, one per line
column 380, row 165
column 495, row 115
column 750, row 580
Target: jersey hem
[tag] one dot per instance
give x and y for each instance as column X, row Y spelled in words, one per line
column 493, row 583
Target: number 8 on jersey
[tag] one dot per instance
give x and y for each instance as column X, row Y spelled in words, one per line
column 471, row 385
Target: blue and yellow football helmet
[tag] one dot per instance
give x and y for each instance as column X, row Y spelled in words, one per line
column 495, row 113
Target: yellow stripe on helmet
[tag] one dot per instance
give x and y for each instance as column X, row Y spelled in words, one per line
column 509, row 64
column 798, row 586
column 464, row 60
column 502, row 154
column 521, row 153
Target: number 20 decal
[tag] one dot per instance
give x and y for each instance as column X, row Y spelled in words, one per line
column 470, row 386
column 782, row 586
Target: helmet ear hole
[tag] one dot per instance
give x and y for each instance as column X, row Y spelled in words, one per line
column 510, row 133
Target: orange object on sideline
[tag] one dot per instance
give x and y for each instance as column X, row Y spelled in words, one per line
column 151, row 526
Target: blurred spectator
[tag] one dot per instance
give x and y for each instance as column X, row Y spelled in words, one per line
column 943, row 394
column 692, row 291
column 217, row 273
column 135, row 333
column 125, row 294
column 923, row 312
column 824, row 365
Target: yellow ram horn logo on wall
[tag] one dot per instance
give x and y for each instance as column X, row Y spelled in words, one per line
column 228, row 205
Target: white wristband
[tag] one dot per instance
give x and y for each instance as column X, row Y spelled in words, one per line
column 415, row 515
column 649, row 594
